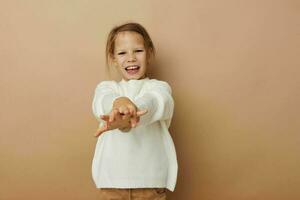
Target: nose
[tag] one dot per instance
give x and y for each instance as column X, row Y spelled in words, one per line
column 131, row 57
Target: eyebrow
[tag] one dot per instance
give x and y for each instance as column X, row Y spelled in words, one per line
column 118, row 50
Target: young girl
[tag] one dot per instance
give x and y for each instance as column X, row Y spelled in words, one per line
column 135, row 156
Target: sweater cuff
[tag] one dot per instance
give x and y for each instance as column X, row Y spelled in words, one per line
column 108, row 101
column 145, row 103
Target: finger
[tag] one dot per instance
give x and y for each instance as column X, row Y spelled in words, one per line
column 101, row 130
column 132, row 110
column 126, row 117
column 120, row 109
column 133, row 122
column 136, row 118
column 113, row 114
column 104, row 117
column 141, row 112
column 123, row 110
column 126, row 111
column 118, row 116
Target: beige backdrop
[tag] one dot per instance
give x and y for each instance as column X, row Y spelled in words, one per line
column 233, row 66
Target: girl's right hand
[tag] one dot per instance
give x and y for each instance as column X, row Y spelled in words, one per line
column 125, row 106
column 121, row 121
column 124, row 116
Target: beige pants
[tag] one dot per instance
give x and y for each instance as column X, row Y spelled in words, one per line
column 133, row 194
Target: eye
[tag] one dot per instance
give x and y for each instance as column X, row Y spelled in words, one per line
column 139, row 50
column 121, row 53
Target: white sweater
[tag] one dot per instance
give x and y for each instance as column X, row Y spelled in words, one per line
column 145, row 156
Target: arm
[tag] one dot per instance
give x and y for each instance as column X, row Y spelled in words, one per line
column 158, row 102
column 105, row 94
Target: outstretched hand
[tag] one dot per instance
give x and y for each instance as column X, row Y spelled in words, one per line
column 122, row 118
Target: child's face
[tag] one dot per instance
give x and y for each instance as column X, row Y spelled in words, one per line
column 130, row 55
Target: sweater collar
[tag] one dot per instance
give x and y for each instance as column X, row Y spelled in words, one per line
column 133, row 80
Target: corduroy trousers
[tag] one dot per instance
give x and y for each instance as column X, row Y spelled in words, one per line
column 132, row 194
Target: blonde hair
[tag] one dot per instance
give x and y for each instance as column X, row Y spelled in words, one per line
column 134, row 27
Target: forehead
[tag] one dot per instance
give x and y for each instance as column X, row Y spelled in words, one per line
column 128, row 39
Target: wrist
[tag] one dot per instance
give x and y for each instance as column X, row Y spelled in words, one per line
column 121, row 101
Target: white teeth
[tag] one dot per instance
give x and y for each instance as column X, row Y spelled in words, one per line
column 132, row 67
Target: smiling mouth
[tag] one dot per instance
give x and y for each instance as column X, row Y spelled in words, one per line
column 133, row 69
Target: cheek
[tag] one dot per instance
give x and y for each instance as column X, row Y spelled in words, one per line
column 142, row 58
column 120, row 61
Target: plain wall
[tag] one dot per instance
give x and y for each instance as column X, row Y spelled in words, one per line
column 233, row 67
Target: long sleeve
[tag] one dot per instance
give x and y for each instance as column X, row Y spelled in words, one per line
column 159, row 103
column 105, row 93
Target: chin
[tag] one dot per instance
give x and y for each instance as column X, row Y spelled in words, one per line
column 133, row 77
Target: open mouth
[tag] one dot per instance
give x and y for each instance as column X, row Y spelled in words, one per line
column 132, row 69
